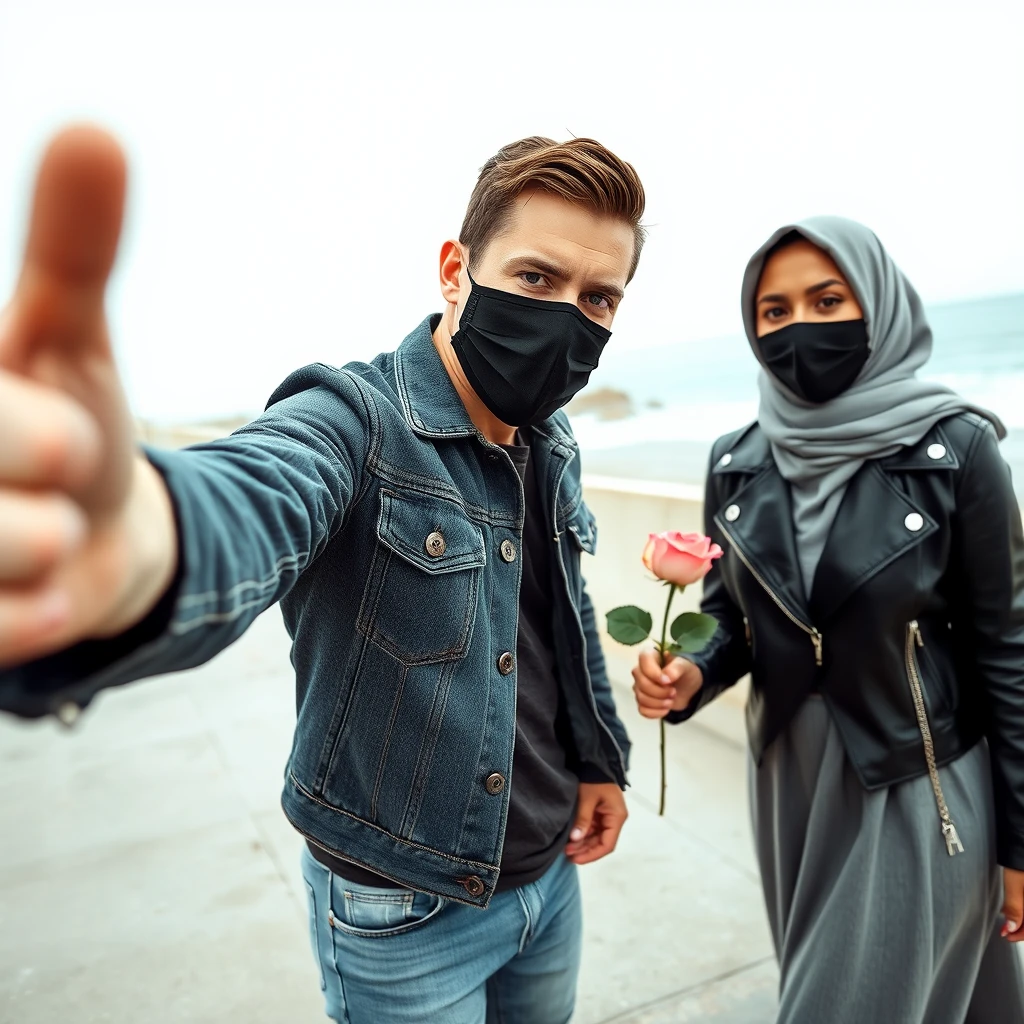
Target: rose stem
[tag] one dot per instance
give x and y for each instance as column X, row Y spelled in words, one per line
column 661, row 723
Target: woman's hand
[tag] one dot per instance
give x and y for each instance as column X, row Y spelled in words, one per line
column 1013, row 905
column 660, row 690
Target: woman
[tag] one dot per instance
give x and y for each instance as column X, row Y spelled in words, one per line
column 873, row 587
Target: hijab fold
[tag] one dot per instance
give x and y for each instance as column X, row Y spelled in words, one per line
column 819, row 448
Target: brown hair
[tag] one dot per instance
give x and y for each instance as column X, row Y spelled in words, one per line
column 580, row 171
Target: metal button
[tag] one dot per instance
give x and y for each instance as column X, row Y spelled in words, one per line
column 506, row 663
column 914, row 522
column 732, row 513
column 495, row 783
column 436, row 545
column 473, row 885
column 68, row 712
column 508, row 551
column 936, row 451
column 726, row 459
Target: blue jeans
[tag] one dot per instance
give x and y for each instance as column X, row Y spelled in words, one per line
column 392, row 955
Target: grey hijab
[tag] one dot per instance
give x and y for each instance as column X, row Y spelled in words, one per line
column 819, row 448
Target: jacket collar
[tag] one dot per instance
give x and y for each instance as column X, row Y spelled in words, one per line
column 430, row 402
column 757, row 517
column 432, row 406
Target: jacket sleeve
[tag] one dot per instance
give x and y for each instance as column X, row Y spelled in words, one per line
column 990, row 548
column 602, row 689
column 252, row 510
column 726, row 659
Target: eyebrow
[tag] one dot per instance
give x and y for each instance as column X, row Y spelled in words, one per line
column 813, row 290
column 558, row 272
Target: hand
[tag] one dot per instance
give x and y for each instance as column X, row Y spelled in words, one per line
column 75, row 545
column 599, row 819
column 1013, row 905
column 661, row 690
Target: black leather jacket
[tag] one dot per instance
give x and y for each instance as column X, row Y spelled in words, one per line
column 914, row 631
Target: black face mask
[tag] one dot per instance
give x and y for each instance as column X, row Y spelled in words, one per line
column 817, row 361
column 525, row 358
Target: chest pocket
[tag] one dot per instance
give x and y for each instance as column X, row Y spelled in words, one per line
column 419, row 603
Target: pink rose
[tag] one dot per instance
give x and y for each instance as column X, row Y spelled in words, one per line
column 680, row 558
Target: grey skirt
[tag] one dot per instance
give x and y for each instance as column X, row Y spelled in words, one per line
column 873, row 921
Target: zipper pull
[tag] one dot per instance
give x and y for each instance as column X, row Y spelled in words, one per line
column 918, row 639
column 953, row 844
column 819, row 642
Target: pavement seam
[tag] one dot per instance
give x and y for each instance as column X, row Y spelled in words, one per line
column 628, row 1015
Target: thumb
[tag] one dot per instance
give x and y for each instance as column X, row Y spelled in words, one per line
column 73, row 234
column 584, row 819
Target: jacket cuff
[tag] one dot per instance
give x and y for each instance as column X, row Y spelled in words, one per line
column 591, row 775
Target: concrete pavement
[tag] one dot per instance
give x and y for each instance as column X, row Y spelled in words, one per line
column 148, row 874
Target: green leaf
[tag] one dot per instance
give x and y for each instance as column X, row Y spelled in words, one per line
column 629, row 625
column 692, row 632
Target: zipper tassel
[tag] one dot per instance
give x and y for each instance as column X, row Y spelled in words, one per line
column 952, row 837
column 819, row 644
column 949, row 832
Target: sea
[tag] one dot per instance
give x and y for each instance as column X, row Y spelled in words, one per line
column 683, row 396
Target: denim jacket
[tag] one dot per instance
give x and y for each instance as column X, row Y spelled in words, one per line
column 367, row 503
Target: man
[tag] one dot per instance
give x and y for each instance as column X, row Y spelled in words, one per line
column 420, row 520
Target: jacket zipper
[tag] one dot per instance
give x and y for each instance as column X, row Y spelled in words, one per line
column 949, row 832
column 817, row 639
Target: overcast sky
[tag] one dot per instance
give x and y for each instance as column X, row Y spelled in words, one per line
column 296, row 166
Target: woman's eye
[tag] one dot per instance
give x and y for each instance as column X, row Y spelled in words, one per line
column 828, row 301
column 775, row 313
column 601, row 302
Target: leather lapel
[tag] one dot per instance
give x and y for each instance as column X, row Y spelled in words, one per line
column 758, row 521
column 873, row 527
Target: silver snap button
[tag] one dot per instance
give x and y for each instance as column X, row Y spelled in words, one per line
column 914, row 522
column 732, row 513
column 436, row 545
column 936, row 451
column 68, row 712
column 508, row 551
column 726, row 459
column 506, row 663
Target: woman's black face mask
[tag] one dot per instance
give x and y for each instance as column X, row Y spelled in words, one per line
column 817, row 361
column 525, row 358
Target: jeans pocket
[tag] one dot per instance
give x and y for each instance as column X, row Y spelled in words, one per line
column 380, row 913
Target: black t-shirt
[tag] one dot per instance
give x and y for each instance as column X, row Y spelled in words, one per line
column 543, row 790
column 542, row 801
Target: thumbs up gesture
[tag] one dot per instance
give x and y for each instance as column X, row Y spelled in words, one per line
column 87, row 539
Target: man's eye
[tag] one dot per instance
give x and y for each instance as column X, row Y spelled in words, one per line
column 598, row 301
column 532, row 277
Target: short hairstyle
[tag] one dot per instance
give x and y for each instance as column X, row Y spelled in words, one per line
column 580, row 171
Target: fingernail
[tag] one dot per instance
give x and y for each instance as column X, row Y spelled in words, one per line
column 665, row 681
column 1011, row 927
column 576, row 835
column 53, row 610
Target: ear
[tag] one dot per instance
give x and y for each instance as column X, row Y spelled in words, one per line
column 452, row 266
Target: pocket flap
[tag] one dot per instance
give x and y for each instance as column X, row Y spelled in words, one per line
column 583, row 527
column 431, row 533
